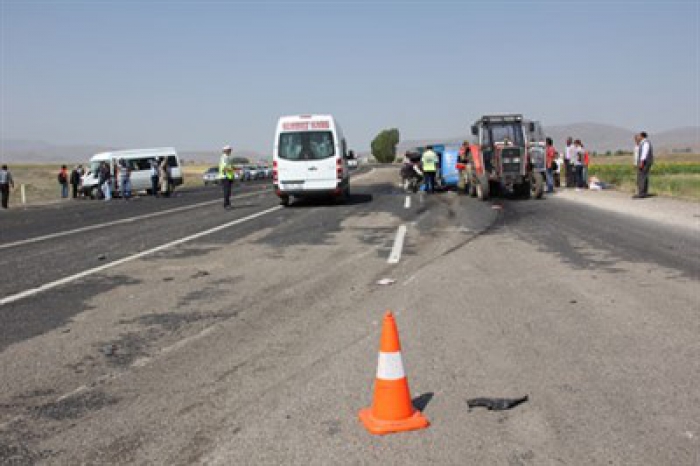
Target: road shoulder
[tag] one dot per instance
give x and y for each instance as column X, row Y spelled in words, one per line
column 675, row 212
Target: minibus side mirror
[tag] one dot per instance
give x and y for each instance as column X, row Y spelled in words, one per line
column 475, row 130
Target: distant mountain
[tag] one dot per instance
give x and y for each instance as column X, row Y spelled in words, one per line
column 595, row 136
column 28, row 151
column 603, row 138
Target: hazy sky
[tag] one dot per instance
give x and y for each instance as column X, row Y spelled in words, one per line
column 199, row 74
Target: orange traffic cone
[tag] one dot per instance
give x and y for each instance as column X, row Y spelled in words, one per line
column 392, row 410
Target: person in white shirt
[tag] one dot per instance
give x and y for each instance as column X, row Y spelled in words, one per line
column 636, row 149
column 569, row 157
column 644, row 163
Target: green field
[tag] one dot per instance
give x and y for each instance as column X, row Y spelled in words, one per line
column 673, row 179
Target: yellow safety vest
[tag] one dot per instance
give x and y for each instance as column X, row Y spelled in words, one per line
column 226, row 167
column 429, row 160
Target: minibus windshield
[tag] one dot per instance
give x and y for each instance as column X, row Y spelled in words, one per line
column 306, row 145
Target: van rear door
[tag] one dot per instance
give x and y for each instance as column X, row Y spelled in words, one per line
column 307, row 160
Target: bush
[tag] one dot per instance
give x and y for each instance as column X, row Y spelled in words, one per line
column 384, row 145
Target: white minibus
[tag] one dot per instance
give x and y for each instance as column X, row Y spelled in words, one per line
column 310, row 159
column 139, row 161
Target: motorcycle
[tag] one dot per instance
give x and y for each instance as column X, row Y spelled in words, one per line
column 411, row 177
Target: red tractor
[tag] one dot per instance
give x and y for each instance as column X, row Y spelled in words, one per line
column 508, row 157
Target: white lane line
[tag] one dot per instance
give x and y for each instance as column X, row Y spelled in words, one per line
column 85, row 273
column 120, row 221
column 395, row 255
column 407, row 204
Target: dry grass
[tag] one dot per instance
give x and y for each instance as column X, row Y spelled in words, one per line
column 40, row 182
column 41, row 185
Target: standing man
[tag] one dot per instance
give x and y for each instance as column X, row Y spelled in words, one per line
column 586, row 163
column 75, row 180
column 429, row 160
column 63, row 181
column 646, row 160
column 226, row 173
column 105, row 181
column 6, row 182
column 637, row 140
column 462, row 163
column 154, row 177
column 163, row 177
column 125, row 179
column 550, row 155
column 578, row 164
column 569, row 157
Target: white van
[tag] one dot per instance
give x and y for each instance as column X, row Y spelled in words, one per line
column 310, row 158
column 139, row 161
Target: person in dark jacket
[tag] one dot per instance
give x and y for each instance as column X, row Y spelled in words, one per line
column 6, row 183
column 154, row 177
column 75, row 180
column 105, row 181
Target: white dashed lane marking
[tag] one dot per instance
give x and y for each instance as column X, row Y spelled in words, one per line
column 395, row 255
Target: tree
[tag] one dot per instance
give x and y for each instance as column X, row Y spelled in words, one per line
column 384, row 145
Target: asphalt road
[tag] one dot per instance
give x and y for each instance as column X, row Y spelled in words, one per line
column 256, row 343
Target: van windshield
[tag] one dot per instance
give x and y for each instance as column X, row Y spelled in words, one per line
column 306, row 145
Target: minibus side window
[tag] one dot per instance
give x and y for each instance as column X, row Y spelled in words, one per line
column 141, row 164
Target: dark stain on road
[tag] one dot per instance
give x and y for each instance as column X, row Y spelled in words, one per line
column 26, row 319
column 75, row 406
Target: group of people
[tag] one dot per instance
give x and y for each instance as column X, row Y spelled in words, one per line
column 575, row 161
column 161, row 178
column 74, row 180
column 118, row 177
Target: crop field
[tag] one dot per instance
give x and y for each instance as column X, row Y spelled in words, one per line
column 680, row 179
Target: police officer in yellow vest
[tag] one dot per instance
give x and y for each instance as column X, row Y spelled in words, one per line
column 429, row 160
column 226, row 174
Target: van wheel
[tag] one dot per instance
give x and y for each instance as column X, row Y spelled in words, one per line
column 285, row 201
